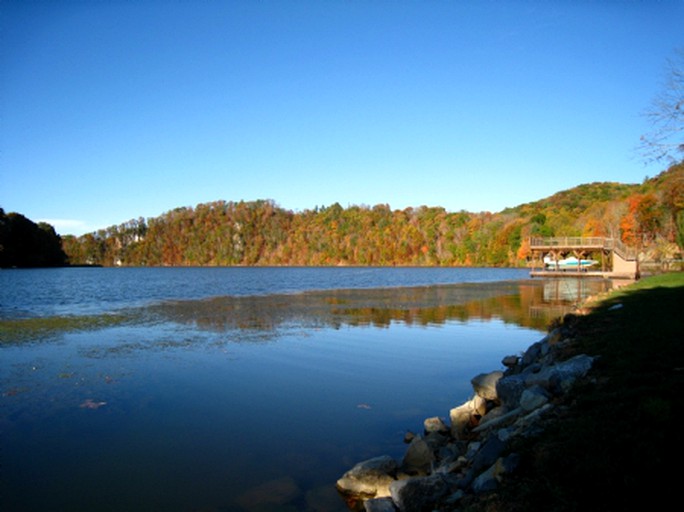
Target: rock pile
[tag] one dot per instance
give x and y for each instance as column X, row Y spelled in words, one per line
column 471, row 453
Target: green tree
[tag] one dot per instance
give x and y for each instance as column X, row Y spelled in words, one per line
column 23, row 243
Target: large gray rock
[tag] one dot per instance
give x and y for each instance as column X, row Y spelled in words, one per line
column 490, row 450
column 437, row 440
column 510, row 361
column 532, row 353
column 533, row 398
column 490, row 478
column 509, row 389
column 379, row 505
column 418, row 458
column 418, row 494
column 484, row 384
column 486, row 481
column 370, row 478
column 496, row 420
column 560, row 377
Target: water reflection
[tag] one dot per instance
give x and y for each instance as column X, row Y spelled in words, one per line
column 113, row 412
column 531, row 304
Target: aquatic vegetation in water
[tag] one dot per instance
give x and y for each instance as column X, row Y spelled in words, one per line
column 263, row 317
column 18, row 330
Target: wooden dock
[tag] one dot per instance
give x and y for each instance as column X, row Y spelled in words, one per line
column 618, row 261
column 572, row 273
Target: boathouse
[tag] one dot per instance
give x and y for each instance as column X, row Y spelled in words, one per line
column 617, row 260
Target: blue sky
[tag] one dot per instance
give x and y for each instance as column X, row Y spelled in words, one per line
column 113, row 110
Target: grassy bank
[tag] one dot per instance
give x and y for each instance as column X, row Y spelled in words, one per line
column 617, row 444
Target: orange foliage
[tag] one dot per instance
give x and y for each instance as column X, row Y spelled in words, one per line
column 628, row 229
column 524, row 252
column 593, row 227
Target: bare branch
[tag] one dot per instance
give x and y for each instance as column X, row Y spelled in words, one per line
column 665, row 141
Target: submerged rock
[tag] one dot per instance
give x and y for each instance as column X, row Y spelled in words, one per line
column 276, row 492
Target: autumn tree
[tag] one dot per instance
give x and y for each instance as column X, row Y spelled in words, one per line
column 672, row 186
column 640, row 224
column 262, row 233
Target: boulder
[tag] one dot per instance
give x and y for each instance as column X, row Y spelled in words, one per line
column 525, row 424
column 466, row 416
column 497, row 420
column 379, row 505
column 489, row 479
column 486, row 481
column 437, row 440
column 492, row 414
column 419, row 493
column 490, row 450
column 510, row 388
column 370, row 478
column 484, row 385
column 418, row 458
column 510, row 361
column 533, row 398
column 532, row 353
column 472, row 449
column 560, row 377
column 435, row 424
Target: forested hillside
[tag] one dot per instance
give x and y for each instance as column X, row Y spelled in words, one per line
column 262, row 233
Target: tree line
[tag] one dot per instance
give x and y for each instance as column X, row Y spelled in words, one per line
column 649, row 216
column 226, row 233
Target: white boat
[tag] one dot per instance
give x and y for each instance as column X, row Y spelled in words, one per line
column 570, row 263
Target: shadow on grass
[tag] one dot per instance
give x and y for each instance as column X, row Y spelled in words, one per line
column 615, row 444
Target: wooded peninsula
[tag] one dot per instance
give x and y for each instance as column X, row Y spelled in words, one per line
column 225, row 233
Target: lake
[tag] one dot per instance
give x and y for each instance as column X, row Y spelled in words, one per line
column 239, row 389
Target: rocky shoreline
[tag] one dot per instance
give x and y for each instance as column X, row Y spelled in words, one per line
column 471, row 452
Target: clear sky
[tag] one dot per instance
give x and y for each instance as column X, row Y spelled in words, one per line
column 113, row 110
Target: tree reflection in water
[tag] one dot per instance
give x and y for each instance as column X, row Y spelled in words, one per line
column 530, row 304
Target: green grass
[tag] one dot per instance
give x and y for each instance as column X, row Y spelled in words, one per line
column 669, row 280
column 615, row 444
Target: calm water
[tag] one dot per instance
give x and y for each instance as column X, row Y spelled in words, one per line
column 238, row 389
